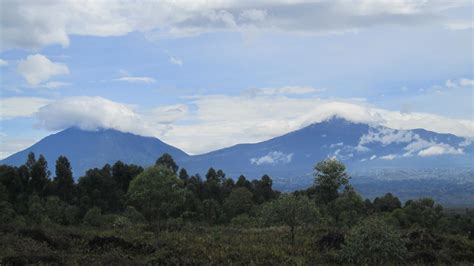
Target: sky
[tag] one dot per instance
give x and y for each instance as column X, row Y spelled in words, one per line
column 203, row 75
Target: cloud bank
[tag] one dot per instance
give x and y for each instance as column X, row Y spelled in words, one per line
column 210, row 122
column 29, row 24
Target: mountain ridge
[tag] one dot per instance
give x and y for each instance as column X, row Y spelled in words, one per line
column 359, row 145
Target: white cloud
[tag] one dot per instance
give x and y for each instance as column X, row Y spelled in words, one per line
column 30, row 25
column 216, row 121
column 176, row 61
column 287, row 90
column 373, row 157
column 339, row 144
column 273, row 158
column 137, row 79
column 253, row 15
column 463, row 82
column 55, row 84
column 14, row 107
column 169, row 114
column 389, row 157
column 439, row 149
column 466, row 82
column 38, row 68
column 460, row 24
column 3, row 63
column 10, row 146
column 386, row 136
column 90, row 113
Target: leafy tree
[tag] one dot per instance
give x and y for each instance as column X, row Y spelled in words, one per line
column 167, row 161
column 212, row 211
column 63, row 182
column 373, row 242
column 59, row 211
column 98, row 188
column 7, row 213
column 212, row 186
column 226, row 187
column 94, row 217
column 156, row 193
column 133, row 215
column 30, row 161
column 183, row 174
column 291, row 211
column 124, row 173
column 40, row 176
column 422, row 213
column 239, row 202
column 348, row 208
column 263, row 189
column 36, row 211
column 243, row 182
column 12, row 182
column 330, row 176
column 387, row 203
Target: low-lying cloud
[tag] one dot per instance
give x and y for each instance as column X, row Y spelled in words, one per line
column 207, row 123
column 273, row 158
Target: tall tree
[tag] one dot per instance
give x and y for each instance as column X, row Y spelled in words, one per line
column 30, row 161
column 167, row 161
column 63, row 182
column 330, row 176
column 156, row 193
column 183, row 174
column 40, row 176
column 387, row 203
column 263, row 189
column 212, row 186
column 239, row 202
column 124, row 173
column 292, row 211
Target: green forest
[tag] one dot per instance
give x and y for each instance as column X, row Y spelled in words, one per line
column 123, row 214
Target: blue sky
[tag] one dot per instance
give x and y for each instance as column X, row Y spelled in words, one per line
column 206, row 75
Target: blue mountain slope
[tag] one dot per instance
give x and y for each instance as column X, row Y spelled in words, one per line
column 88, row 149
column 359, row 146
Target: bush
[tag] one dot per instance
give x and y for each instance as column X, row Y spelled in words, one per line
column 373, row 242
column 94, row 217
column 244, row 221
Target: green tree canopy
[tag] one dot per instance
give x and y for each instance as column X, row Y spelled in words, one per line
column 156, row 192
column 239, row 202
column 291, row 211
column 387, row 203
column 330, row 176
column 373, row 242
column 63, row 181
column 167, row 161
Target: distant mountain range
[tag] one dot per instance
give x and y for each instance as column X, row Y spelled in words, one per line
column 362, row 147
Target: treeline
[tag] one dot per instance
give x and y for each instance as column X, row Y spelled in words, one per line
column 158, row 193
column 165, row 198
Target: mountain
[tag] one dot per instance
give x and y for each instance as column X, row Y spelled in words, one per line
column 88, row 149
column 361, row 147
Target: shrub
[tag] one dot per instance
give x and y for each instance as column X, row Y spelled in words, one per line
column 94, row 217
column 373, row 242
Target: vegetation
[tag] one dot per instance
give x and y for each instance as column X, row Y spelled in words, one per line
column 124, row 214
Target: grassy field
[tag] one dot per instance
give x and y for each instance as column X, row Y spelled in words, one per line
column 204, row 245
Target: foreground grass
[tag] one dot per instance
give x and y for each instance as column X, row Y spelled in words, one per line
column 199, row 245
